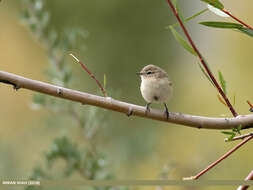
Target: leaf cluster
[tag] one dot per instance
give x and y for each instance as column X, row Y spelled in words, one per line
column 218, row 9
column 233, row 133
column 88, row 161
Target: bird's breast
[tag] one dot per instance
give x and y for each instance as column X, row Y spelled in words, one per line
column 156, row 90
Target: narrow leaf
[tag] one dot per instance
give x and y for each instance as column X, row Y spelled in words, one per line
column 206, row 75
column 229, row 25
column 239, row 129
column 223, row 83
column 227, row 133
column 231, row 137
column 234, row 100
column 247, row 31
column 221, row 100
column 217, row 11
column 215, row 3
column 189, row 18
column 105, row 81
column 195, row 15
column 182, row 41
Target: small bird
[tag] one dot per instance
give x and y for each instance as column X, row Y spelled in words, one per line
column 155, row 86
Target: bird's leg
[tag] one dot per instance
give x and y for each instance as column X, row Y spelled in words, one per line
column 130, row 111
column 147, row 108
column 166, row 111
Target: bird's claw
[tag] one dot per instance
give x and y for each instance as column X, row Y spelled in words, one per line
column 166, row 112
column 147, row 109
column 130, row 112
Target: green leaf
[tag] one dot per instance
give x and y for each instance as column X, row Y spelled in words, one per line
column 247, row 31
column 228, row 25
column 105, row 81
column 189, row 18
column 204, row 72
column 197, row 14
column 182, row 41
column 234, row 100
column 215, row 3
column 237, row 129
column 223, row 83
column 217, row 11
column 227, row 133
column 231, row 137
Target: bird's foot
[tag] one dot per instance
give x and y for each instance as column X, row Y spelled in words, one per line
column 130, row 112
column 147, row 108
column 166, row 112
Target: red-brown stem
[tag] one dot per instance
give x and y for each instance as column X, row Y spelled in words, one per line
column 239, row 137
column 90, row 73
column 202, row 60
column 238, row 20
column 249, row 104
column 249, row 177
column 221, row 158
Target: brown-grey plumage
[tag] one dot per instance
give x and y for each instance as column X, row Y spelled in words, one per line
column 155, row 86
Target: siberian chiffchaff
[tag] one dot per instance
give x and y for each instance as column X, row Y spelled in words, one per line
column 155, row 86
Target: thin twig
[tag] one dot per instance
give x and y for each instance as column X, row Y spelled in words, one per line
column 219, row 160
column 90, row 73
column 202, row 59
column 124, row 107
column 238, row 20
column 239, row 137
column 250, row 105
column 249, row 177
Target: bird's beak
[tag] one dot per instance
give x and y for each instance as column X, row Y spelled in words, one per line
column 139, row 73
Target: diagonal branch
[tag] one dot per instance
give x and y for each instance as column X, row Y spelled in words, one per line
column 249, row 177
column 202, row 59
column 123, row 107
column 241, row 137
column 90, row 73
column 235, row 18
column 219, row 160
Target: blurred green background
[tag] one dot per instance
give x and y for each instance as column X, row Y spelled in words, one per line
column 124, row 36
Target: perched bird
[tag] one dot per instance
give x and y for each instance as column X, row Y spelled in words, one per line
column 155, row 86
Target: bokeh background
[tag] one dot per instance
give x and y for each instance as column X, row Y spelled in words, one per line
column 123, row 37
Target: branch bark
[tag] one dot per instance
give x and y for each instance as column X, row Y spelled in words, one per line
column 249, row 177
column 124, row 107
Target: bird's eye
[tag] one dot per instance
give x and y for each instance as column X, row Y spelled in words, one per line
column 149, row 72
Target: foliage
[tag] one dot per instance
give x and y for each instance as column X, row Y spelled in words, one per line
column 229, row 25
column 88, row 161
column 218, row 8
column 215, row 3
column 182, row 41
column 233, row 133
column 223, row 82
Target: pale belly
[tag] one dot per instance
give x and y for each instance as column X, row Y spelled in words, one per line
column 156, row 91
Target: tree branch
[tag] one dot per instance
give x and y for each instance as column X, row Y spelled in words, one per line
column 123, row 107
column 203, row 62
column 235, row 18
column 241, row 137
column 219, row 160
column 90, row 73
column 249, row 177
